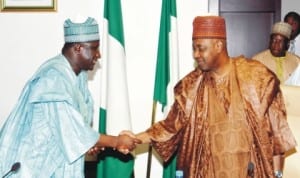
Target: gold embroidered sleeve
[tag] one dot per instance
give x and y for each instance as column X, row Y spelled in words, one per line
column 165, row 135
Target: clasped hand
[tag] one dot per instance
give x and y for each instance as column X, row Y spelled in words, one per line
column 125, row 142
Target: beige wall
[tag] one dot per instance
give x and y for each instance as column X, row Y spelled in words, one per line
column 291, row 95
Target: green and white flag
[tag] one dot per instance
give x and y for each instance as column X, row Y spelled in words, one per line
column 114, row 110
column 167, row 67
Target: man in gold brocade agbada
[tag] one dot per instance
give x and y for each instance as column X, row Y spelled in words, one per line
column 228, row 119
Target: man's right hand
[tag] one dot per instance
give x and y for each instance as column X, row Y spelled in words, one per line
column 127, row 142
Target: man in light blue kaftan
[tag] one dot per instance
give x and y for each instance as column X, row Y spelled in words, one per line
column 49, row 131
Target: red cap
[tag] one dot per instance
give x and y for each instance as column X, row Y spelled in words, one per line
column 209, row 27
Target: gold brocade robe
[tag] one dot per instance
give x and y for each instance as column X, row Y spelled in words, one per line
column 220, row 129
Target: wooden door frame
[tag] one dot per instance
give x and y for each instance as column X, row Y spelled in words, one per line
column 214, row 8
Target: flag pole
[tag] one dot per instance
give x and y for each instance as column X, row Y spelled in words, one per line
column 149, row 160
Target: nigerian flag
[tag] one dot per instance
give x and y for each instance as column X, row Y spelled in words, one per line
column 167, row 69
column 114, row 110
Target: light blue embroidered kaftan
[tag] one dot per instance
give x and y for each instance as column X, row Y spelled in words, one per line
column 49, row 131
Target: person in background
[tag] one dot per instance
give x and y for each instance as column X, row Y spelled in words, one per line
column 228, row 119
column 293, row 18
column 277, row 58
column 48, row 132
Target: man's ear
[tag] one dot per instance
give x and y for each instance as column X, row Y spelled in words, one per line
column 77, row 48
column 219, row 45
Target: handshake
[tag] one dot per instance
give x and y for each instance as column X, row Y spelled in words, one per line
column 125, row 142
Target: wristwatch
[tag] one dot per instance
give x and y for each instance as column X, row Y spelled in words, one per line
column 278, row 174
